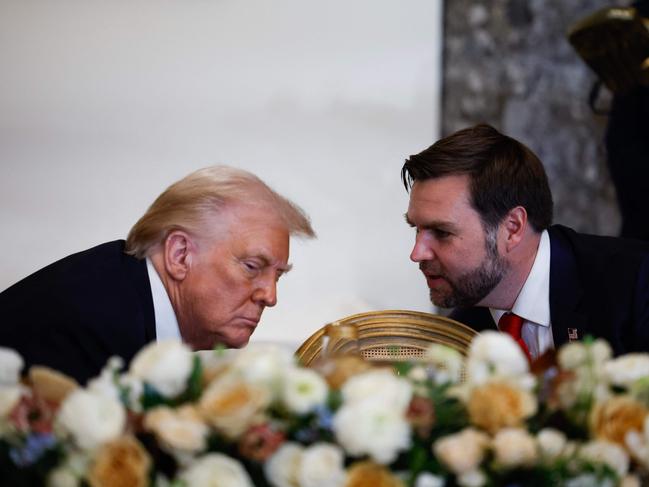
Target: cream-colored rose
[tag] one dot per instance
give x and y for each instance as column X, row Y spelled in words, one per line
column 9, row 397
column 382, row 386
column 496, row 405
column 263, row 365
column 372, row 427
column 166, row 365
column 62, row 477
column 462, row 452
column 92, row 419
column 303, row 390
column 495, row 355
column 551, row 443
column 11, row 363
column 612, row 419
column 630, row 481
column 514, row 447
column 322, row 465
column 607, row 453
column 282, row 469
column 120, row 462
column 231, row 406
column 216, row 470
column 180, row 429
column 627, row 369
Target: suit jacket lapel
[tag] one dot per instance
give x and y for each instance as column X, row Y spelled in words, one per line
column 569, row 322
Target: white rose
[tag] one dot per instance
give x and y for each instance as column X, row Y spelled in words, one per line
column 474, row 478
column 166, row 365
column 9, row 397
column 263, row 365
column 11, row 363
column 91, row 418
column 600, row 351
column 462, row 452
column 514, row 447
column 551, row 442
column 625, row 370
column 426, row 479
column 630, row 481
column 495, row 355
column 282, row 469
column 372, row 427
column 62, row 477
column 304, row 389
column 381, row 386
column 216, row 470
column 447, row 361
column 605, row 452
column 178, row 429
column 588, row 480
column 322, row 465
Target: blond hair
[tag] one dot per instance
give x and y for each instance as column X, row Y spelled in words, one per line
column 190, row 204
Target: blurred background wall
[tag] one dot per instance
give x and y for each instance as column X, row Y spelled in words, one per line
column 508, row 63
column 103, row 104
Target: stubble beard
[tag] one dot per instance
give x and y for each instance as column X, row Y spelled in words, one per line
column 473, row 286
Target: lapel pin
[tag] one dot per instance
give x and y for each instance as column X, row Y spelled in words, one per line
column 573, row 334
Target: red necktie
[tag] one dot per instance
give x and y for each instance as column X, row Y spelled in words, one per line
column 512, row 324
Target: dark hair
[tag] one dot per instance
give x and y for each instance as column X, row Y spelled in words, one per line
column 504, row 173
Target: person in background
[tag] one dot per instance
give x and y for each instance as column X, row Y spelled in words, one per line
column 482, row 209
column 200, row 265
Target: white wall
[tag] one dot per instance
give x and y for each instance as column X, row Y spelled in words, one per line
column 104, row 104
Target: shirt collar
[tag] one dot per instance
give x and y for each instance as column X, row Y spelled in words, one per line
column 533, row 302
column 166, row 324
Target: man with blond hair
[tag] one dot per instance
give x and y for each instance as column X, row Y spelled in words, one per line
column 200, row 265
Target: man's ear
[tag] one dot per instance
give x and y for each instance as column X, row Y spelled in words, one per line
column 514, row 226
column 178, row 252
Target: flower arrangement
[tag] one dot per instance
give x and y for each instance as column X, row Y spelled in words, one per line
column 578, row 417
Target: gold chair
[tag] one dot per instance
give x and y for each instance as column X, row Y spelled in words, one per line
column 395, row 335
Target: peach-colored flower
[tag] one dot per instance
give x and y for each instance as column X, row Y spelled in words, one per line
column 497, row 405
column 122, row 462
column 369, row 474
column 338, row 370
column 612, row 419
column 179, row 429
column 232, row 406
column 51, row 385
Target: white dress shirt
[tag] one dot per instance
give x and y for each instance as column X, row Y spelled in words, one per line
column 166, row 324
column 533, row 303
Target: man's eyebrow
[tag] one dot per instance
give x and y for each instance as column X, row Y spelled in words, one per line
column 441, row 225
column 285, row 269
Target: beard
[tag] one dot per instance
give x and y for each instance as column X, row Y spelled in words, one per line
column 474, row 285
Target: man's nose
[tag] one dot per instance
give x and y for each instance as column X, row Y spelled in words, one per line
column 422, row 249
column 266, row 293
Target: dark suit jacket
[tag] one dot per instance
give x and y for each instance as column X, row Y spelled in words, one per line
column 598, row 286
column 76, row 313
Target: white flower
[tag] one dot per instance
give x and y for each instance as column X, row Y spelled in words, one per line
column 600, row 351
column 474, row 478
column 166, row 365
column 216, row 470
column 625, row 370
column 551, row 442
column 322, row 465
column 372, row 427
column 282, row 469
column 263, row 365
column 638, row 444
column 630, row 481
column 11, row 363
column 380, row 386
column 514, row 447
column 447, row 361
column 303, row 390
column 462, row 452
column 427, row 479
column 588, row 480
column 495, row 355
column 605, row 452
column 9, row 397
column 62, row 477
column 91, row 418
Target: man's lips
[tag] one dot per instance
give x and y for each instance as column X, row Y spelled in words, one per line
column 434, row 280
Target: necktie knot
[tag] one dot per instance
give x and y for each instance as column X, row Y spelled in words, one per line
column 512, row 324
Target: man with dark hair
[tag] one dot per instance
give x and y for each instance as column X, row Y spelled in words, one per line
column 482, row 207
